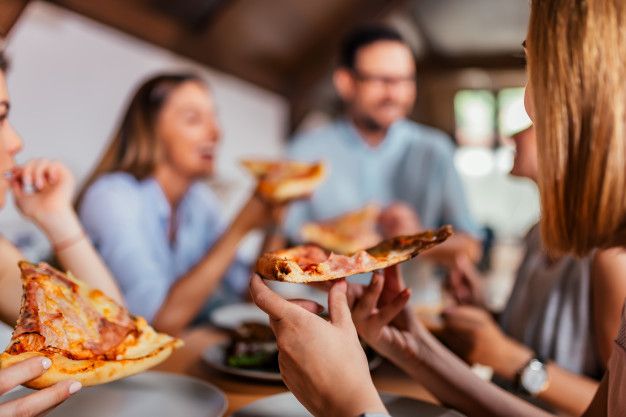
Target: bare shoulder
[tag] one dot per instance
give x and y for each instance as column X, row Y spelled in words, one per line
column 608, row 266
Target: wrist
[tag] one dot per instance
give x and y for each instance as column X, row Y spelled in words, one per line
column 511, row 359
column 366, row 402
column 60, row 226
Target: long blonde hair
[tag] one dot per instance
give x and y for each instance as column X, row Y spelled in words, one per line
column 576, row 61
column 134, row 148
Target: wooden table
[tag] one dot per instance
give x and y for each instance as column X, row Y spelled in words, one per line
column 241, row 392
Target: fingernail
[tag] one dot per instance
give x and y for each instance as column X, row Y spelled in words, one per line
column 75, row 387
column 46, row 363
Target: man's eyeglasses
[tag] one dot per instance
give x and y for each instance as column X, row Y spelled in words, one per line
column 382, row 79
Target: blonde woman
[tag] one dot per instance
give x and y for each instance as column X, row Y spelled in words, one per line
column 43, row 193
column 576, row 96
column 157, row 225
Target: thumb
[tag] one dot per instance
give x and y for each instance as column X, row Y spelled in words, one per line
column 338, row 303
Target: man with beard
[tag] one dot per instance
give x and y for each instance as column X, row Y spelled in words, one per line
column 375, row 154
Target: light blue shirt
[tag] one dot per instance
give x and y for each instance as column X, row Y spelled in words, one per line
column 413, row 164
column 128, row 222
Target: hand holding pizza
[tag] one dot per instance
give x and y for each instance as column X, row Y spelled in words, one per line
column 43, row 190
column 40, row 402
column 258, row 213
column 381, row 318
column 321, row 362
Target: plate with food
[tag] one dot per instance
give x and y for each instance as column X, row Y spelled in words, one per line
column 154, row 394
column 232, row 316
column 252, row 353
column 286, row 405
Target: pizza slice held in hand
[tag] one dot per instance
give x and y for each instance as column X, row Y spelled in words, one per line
column 87, row 336
column 282, row 181
column 310, row 263
column 347, row 233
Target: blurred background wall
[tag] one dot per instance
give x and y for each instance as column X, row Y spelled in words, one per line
column 75, row 63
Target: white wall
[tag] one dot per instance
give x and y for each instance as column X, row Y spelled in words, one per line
column 70, row 78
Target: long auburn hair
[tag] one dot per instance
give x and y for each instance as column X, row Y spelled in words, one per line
column 577, row 73
column 134, row 147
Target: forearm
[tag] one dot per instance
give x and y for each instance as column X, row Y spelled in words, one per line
column 76, row 253
column 187, row 296
column 10, row 282
column 451, row 380
column 272, row 240
column 566, row 391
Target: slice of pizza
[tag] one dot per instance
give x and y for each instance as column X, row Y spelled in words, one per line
column 87, row 336
column 282, row 181
column 310, row 263
column 347, row 233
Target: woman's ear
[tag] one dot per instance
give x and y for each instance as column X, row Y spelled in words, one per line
column 344, row 83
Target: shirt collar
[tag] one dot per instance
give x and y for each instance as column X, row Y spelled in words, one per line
column 157, row 198
column 355, row 138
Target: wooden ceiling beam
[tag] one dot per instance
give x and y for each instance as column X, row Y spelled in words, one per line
column 10, row 11
column 439, row 63
column 137, row 18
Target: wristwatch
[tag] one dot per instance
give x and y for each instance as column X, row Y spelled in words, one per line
column 533, row 377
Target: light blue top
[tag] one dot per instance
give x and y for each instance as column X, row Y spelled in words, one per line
column 128, row 222
column 414, row 164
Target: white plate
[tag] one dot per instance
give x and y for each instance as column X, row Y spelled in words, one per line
column 286, row 405
column 233, row 315
column 153, row 394
column 215, row 355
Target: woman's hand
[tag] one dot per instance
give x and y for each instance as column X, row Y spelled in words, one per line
column 43, row 190
column 321, row 362
column 472, row 333
column 40, row 402
column 381, row 318
column 465, row 283
column 258, row 213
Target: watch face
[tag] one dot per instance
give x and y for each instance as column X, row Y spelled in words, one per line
column 534, row 378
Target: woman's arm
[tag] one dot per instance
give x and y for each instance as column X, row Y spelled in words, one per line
column 10, row 282
column 412, row 348
column 189, row 293
column 473, row 335
column 608, row 292
column 49, row 206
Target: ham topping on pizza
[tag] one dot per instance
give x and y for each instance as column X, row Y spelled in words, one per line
column 56, row 316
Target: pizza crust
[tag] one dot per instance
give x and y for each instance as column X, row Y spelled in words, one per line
column 296, row 180
column 282, row 265
column 150, row 349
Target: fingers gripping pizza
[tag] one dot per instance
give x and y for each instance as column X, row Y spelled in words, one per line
column 87, row 335
column 347, row 233
column 282, row 181
column 310, row 263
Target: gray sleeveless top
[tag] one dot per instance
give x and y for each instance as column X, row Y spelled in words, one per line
column 549, row 309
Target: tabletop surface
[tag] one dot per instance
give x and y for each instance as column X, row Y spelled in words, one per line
column 240, row 392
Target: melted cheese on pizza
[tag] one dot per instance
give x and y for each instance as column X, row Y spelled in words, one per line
column 61, row 314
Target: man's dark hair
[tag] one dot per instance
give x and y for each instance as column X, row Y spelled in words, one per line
column 4, row 62
column 362, row 37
